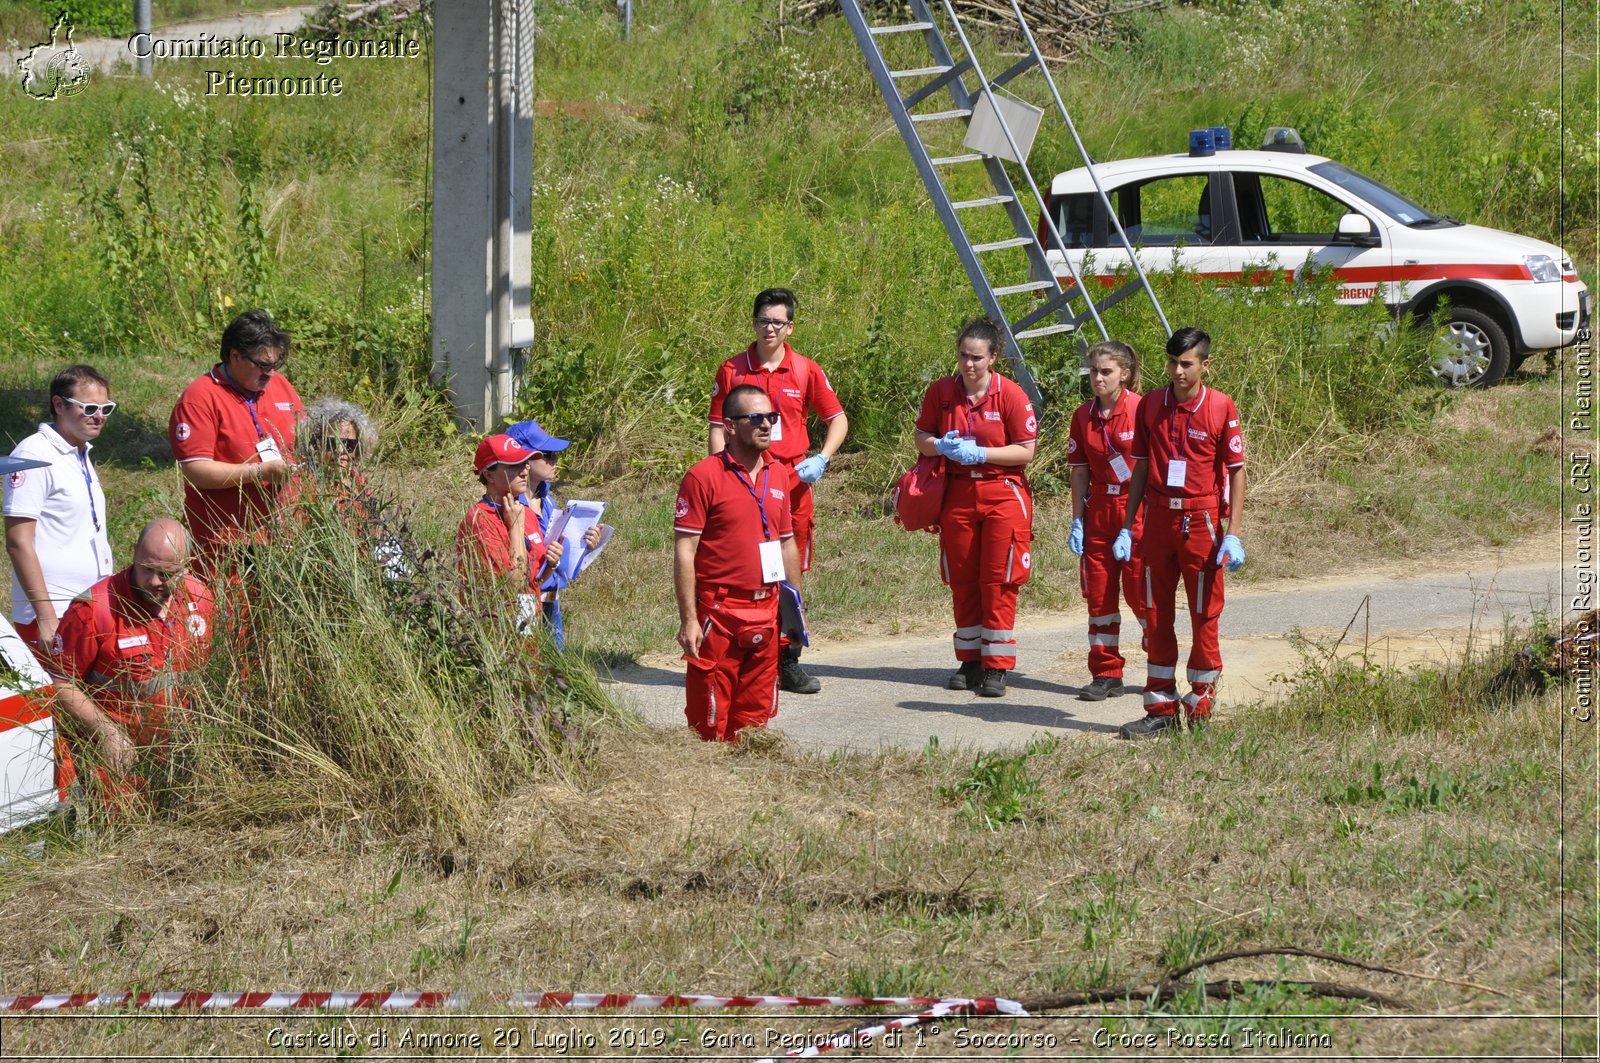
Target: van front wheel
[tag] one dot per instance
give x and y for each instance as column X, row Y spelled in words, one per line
column 1471, row 350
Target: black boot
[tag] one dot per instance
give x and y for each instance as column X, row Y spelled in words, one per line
column 1148, row 727
column 967, row 677
column 993, row 684
column 791, row 677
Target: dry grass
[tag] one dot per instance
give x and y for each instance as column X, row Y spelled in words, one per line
column 760, row 870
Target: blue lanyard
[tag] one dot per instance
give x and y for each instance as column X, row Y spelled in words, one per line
column 249, row 401
column 761, row 499
column 88, row 483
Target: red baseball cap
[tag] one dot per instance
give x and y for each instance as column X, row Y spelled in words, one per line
column 500, row 450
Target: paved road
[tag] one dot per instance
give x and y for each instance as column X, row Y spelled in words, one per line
column 105, row 54
column 891, row 692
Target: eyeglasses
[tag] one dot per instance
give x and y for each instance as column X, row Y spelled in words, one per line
column 350, row 446
column 94, row 409
column 267, row 367
column 765, row 323
column 757, row 420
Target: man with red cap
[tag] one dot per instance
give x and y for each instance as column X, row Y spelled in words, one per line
column 232, row 433
column 120, row 657
column 500, row 533
column 735, row 546
column 1189, row 463
column 793, row 384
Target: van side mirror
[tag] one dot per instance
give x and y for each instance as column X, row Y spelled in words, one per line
column 1357, row 229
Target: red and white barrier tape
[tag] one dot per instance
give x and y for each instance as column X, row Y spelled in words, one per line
column 953, row 1006
column 398, row 1001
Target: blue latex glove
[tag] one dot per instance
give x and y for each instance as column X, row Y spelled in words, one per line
column 946, row 444
column 1075, row 539
column 967, row 452
column 1231, row 553
column 1122, row 549
column 811, row 470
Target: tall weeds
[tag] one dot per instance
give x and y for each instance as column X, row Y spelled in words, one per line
column 341, row 683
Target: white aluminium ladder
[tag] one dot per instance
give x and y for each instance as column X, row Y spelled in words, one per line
column 1049, row 299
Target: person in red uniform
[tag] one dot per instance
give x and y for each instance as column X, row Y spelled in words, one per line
column 1189, row 465
column 734, row 545
column 984, row 426
column 794, row 384
column 232, row 432
column 120, row 657
column 1100, row 457
column 500, row 533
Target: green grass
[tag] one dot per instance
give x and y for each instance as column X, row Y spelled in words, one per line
column 764, row 871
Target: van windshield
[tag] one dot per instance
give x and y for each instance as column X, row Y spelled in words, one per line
column 1384, row 198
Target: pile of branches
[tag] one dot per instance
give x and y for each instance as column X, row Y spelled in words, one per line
column 1060, row 26
column 1572, row 652
column 336, row 19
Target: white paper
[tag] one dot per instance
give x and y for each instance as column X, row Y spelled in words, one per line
column 1177, row 473
column 1119, row 468
column 569, row 527
column 268, row 449
column 771, row 561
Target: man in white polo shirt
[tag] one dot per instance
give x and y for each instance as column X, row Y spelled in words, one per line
column 56, row 516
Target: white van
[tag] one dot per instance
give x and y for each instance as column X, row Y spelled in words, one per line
column 1231, row 215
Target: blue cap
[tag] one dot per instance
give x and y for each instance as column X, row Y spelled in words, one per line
column 530, row 435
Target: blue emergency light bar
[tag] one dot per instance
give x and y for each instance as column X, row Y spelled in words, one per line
column 1209, row 141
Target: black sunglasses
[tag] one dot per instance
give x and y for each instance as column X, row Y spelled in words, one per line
column 266, row 367
column 350, row 446
column 757, row 420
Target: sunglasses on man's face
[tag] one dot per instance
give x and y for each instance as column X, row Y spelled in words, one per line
column 94, row 409
column 267, row 366
column 757, row 420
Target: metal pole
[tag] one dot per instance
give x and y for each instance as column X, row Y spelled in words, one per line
column 141, row 25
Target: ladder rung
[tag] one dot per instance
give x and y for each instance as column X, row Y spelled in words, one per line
column 1031, row 286
column 920, row 71
column 907, row 27
column 951, row 160
column 988, row 201
column 936, row 116
column 1046, row 330
column 999, row 245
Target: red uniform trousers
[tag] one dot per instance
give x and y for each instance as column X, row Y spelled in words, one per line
column 1168, row 553
column 1099, row 576
column 985, row 548
column 734, row 682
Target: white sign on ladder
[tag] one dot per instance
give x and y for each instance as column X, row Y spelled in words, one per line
column 986, row 130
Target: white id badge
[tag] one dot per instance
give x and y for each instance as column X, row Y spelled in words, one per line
column 1177, row 472
column 777, row 430
column 267, row 449
column 771, row 561
column 1119, row 468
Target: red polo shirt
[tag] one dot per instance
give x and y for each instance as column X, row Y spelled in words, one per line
column 796, row 385
column 484, row 537
column 216, row 421
column 1092, row 438
column 1002, row 417
column 113, row 645
column 1204, row 432
column 718, row 501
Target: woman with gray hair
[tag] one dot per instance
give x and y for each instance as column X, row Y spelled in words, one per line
column 336, row 429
